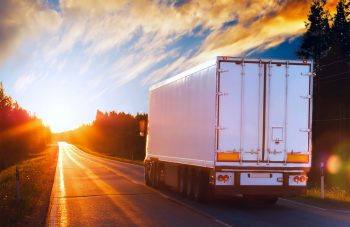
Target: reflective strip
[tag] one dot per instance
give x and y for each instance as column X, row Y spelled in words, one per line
column 298, row 158
column 228, row 156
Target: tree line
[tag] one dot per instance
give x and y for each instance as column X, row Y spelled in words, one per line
column 111, row 133
column 21, row 134
column 327, row 42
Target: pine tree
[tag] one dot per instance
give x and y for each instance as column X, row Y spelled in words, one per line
column 340, row 32
column 315, row 42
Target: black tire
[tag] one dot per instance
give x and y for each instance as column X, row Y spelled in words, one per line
column 147, row 175
column 182, row 181
column 197, row 194
column 153, row 175
column 158, row 181
column 189, row 184
column 201, row 188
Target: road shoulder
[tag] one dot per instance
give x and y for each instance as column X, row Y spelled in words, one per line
column 326, row 205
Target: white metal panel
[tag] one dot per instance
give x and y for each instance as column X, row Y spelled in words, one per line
column 287, row 115
column 182, row 119
column 276, row 83
column 240, row 110
column 253, row 85
column 229, row 138
column 298, row 108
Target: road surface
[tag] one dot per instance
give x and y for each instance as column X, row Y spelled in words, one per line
column 94, row 191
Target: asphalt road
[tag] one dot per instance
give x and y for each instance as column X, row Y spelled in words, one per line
column 94, row 191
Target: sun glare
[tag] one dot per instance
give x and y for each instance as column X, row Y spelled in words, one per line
column 60, row 117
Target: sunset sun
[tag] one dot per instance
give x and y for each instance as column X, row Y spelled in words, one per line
column 60, row 117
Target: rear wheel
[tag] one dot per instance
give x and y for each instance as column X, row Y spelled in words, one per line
column 159, row 178
column 201, row 188
column 182, row 181
column 153, row 177
column 147, row 174
column 189, row 184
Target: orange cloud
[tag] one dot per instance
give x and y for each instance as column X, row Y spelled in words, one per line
column 149, row 27
column 20, row 20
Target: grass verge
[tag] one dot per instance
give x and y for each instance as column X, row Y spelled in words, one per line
column 36, row 179
column 335, row 198
column 87, row 150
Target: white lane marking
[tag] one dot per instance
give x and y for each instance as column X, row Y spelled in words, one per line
column 56, row 212
column 103, row 160
column 103, row 164
column 53, row 205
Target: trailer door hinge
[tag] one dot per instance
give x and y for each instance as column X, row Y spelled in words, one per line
column 219, row 128
column 308, row 74
column 305, row 130
column 221, row 93
column 306, row 97
column 223, row 71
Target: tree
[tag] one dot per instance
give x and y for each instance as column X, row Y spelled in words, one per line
column 340, row 32
column 315, row 42
column 20, row 133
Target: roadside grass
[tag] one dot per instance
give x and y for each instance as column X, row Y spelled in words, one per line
column 36, row 179
column 335, row 198
column 333, row 194
column 87, row 150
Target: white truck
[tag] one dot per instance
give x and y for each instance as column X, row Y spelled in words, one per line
column 232, row 126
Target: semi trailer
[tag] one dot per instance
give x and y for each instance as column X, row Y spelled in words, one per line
column 232, row 126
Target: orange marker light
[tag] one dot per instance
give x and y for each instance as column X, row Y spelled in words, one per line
column 297, row 158
column 228, row 157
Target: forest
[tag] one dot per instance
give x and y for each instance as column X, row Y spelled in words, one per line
column 111, row 133
column 327, row 42
column 21, row 134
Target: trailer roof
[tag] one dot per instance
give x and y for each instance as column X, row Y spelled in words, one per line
column 184, row 74
column 227, row 58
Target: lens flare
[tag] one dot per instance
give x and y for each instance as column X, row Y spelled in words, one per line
column 333, row 164
column 348, row 171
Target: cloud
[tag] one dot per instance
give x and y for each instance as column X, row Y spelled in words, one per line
column 20, row 20
column 138, row 37
column 24, row 81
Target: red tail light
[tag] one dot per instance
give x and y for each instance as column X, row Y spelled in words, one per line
column 220, row 178
column 296, row 179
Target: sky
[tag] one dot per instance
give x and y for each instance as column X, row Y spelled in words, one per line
column 64, row 59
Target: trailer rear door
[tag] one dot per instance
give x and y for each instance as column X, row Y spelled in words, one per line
column 287, row 110
column 263, row 110
column 240, row 109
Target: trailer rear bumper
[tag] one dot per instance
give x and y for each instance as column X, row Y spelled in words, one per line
column 260, row 190
column 275, row 183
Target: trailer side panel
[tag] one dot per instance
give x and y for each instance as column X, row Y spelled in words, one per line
column 182, row 119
